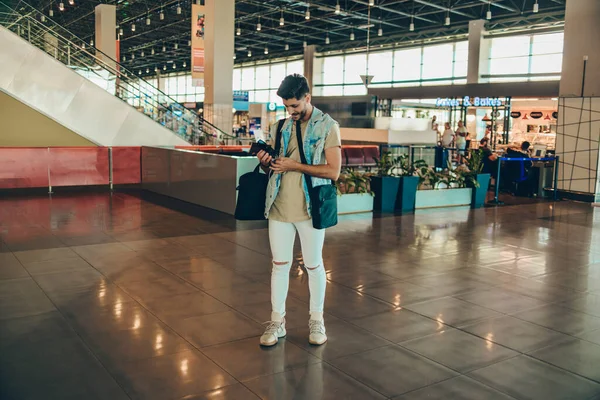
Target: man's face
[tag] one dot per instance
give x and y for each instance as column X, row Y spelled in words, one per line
column 460, row 124
column 297, row 108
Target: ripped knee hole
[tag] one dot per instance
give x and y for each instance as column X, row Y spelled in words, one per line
column 281, row 262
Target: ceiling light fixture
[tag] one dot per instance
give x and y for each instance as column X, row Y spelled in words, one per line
column 327, row 40
column 352, row 37
column 249, row 53
column 147, row 70
column 189, row 42
column 304, row 44
column 307, row 14
column 178, row 9
column 132, row 56
column 371, row 3
column 61, row 6
column 266, row 50
column 140, row 72
column 286, row 47
column 164, row 67
column 338, row 9
column 124, row 58
column 447, row 21
column 92, row 42
column 51, row 12
column 120, row 31
column 43, row 18
column 164, row 48
column 234, row 56
column 258, row 26
column 152, row 52
column 281, row 20
column 176, row 46
column 132, row 27
column 148, row 22
column 411, row 27
column 184, row 64
column 174, row 66
column 488, row 15
column 161, row 16
column 72, row 2
column 536, row 7
column 238, row 31
column 143, row 54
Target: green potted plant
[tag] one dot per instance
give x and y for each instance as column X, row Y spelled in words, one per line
column 354, row 193
column 394, row 185
column 476, row 180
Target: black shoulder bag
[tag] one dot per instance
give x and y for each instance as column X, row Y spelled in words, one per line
column 323, row 199
column 253, row 189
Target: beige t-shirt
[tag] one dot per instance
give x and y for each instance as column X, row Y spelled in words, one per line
column 290, row 203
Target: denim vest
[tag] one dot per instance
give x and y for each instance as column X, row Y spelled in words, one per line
column 316, row 133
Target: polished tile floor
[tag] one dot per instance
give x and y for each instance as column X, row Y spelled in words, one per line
column 119, row 297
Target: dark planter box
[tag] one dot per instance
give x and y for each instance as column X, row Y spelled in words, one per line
column 385, row 189
column 407, row 193
column 480, row 193
column 394, row 193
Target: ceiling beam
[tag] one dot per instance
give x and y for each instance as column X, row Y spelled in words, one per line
column 455, row 11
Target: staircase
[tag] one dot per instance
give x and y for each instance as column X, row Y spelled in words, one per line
column 53, row 71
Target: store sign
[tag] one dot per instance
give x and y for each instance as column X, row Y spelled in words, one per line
column 197, row 65
column 515, row 114
column 469, row 102
column 536, row 114
column 240, row 95
column 272, row 106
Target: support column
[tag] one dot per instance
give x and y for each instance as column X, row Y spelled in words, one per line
column 105, row 33
column 578, row 131
column 218, row 76
column 309, row 62
column 479, row 52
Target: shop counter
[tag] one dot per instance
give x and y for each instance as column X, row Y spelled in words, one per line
column 207, row 180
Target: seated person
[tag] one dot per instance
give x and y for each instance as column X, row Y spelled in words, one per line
column 520, row 171
column 490, row 159
column 523, row 152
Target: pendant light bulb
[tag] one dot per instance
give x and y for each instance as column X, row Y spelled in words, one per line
column 258, row 27
column 152, row 52
column 380, row 32
column 488, row 15
column 51, row 13
column 178, row 10
column 43, row 18
column 148, row 22
column 371, row 3
column 61, row 6
column 307, row 14
column 132, row 27
column 327, row 41
column 164, row 48
column 132, row 56
column 304, row 44
column 447, row 22
column 176, row 46
column 164, row 67
column 338, row 9
column 143, row 54
column 83, row 46
column 234, row 56
column 161, row 16
column 184, row 64
column 536, row 7
column 352, row 36
column 140, row 72
column 266, row 50
column 249, row 53
column 411, row 27
column 120, row 31
column 238, row 31
column 124, row 58
column 281, row 21
column 287, row 47
column 72, row 2
column 174, row 66
column 92, row 42
column 147, row 70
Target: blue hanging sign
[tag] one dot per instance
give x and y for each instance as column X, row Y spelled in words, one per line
column 469, row 102
column 241, row 95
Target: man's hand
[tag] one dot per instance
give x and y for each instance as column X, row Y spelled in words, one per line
column 264, row 158
column 284, row 164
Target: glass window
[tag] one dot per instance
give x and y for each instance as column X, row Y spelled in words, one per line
column 547, row 44
column 248, row 78
column 181, row 85
column 333, row 90
column 262, row 77
column 333, row 68
column 546, row 63
column 355, row 66
column 437, row 61
column 510, row 46
column 461, row 59
column 295, row 67
column 355, row 90
column 515, row 65
column 261, row 96
column 277, row 75
column 407, row 65
column 237, row 79
column 380, row 66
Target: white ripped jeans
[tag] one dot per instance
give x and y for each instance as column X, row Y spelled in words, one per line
column 282, row 236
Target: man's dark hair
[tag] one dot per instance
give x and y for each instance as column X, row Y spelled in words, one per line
column 525, row 145
column 484, row 141
column 293, row 86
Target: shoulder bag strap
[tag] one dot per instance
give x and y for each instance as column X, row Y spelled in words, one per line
column 278, row 136
column 302, row 156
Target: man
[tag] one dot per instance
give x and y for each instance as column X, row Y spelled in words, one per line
column 490, row 158
column 288, row 204
column 461, row 139
column 447, row 136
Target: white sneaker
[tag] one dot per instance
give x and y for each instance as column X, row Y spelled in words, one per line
column 317, row 334
column 274, row 331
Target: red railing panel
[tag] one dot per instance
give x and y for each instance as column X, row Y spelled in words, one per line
column 126, row 164
column 72, row 166
column 23, row 167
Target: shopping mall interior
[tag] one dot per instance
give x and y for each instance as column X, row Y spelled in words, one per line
column 140, row 240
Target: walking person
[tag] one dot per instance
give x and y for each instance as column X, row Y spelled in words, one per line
column 288, row 204
column 461, row 140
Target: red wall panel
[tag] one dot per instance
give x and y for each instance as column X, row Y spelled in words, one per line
column 71, row 166
column 23, row 167
column 126, row 163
